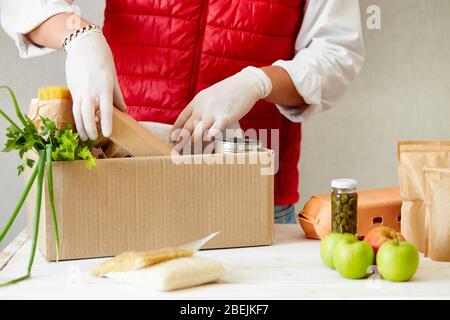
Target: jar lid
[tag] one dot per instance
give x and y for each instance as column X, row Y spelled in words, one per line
column 237, row 145
column 344, row 183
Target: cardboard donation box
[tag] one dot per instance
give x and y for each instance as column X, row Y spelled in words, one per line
column 145, row 203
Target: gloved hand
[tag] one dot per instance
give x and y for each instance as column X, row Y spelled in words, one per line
column 221, row 106
column 92, row 80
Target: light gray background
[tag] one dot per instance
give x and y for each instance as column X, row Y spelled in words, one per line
column 403, row 92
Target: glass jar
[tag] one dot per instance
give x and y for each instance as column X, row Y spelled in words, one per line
column 344, row 203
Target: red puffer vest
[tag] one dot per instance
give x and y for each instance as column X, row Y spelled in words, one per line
column 168, row 50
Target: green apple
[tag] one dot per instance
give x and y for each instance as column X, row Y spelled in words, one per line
column 327, row 246
column 397, row 260
column 352, row 258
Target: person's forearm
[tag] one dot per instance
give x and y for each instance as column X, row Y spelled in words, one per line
column 52, row 32
column 283, row 90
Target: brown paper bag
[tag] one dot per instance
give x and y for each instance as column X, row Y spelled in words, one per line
column 437, row 213
column 131, row 138
column 413, row 157
column 59, row 111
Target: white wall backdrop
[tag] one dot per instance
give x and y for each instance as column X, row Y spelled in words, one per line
column 403, row 92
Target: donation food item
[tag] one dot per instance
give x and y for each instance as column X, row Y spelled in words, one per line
column 50, row 143
column 379, row 207
column 134, row 139
column 54, row 103
column 163, row 269
column 437, row 219
column 236, row 145
column 352, row 258
column 379, row 235
column 397, row 260
column 173, row 274
column 344, row 201
column 328, row 245
column 413, row 157
column 137, row 260
column 160, row 130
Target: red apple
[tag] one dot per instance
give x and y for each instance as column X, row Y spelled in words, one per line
column 379, row 235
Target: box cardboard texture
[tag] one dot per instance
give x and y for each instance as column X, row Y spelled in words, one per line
column 147, row 203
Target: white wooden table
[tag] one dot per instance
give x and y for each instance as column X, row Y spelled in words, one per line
column 289, row 269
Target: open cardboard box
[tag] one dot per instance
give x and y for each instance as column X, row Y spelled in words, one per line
column 145, row 203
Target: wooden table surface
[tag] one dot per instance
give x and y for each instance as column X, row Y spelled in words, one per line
column 289, row 269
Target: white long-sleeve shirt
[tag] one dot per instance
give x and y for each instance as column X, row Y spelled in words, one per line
column 329, row 47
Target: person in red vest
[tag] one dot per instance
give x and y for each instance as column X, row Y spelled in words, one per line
column 202, row 65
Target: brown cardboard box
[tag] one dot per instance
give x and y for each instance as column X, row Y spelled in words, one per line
column 151, row 202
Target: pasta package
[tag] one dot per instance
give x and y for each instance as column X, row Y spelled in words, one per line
column 437, row 213
column 375, row 208
column 413, row 157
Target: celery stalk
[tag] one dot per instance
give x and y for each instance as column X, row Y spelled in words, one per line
column 48, row 151
column 37, row 215
column 4, row 115
column 20, row 203
column 16, row 105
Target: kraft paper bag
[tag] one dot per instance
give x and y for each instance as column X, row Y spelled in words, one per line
column 59, row 111
column 437, row 213
column 160, row 130
column 413, row 157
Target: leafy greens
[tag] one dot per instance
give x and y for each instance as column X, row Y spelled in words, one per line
column 50, row 144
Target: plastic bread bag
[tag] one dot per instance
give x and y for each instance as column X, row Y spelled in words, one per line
column 413, row 157
column 375, row 207
column 437, row 213
column 164, row 269
column 173, row 274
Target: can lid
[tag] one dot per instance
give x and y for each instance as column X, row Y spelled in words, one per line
column 237, row 145
column 344, row 183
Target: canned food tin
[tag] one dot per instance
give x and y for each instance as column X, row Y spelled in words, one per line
column 237, row 145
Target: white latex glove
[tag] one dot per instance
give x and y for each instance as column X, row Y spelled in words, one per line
column 92, row 80
column 222, row 105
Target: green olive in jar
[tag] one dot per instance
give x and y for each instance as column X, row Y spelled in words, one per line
column 344, row 203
